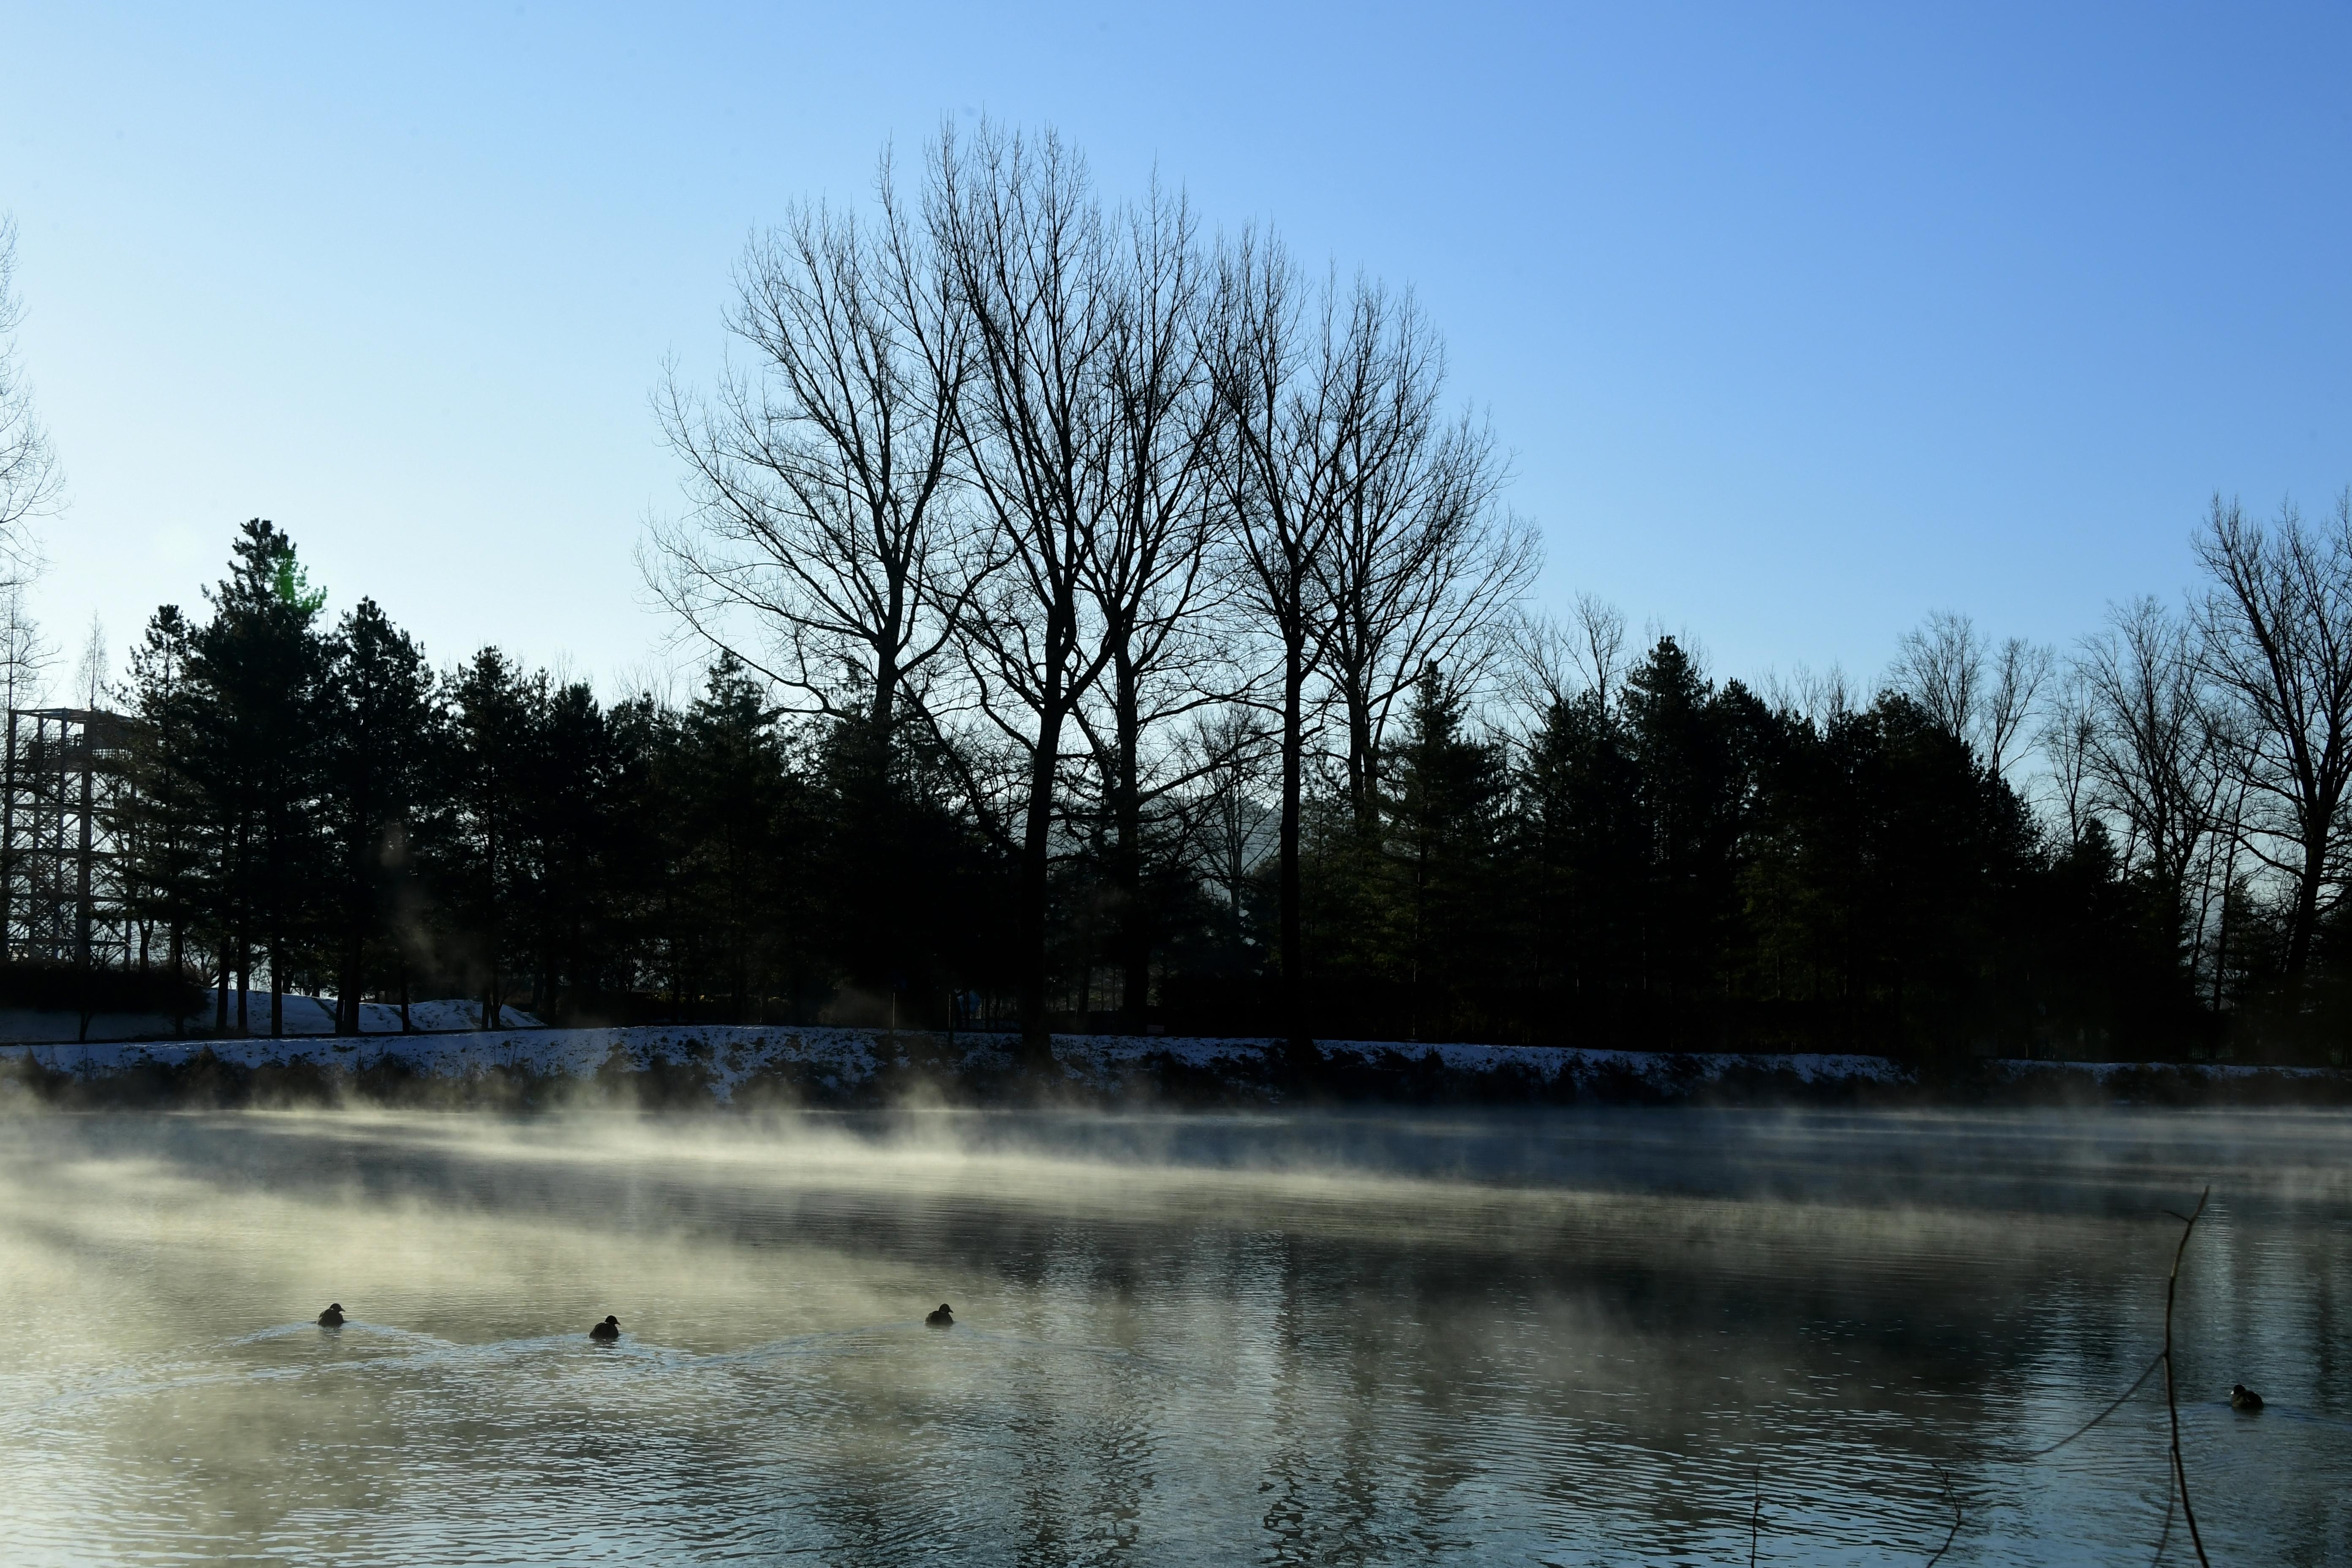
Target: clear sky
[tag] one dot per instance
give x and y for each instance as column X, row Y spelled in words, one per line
column 1801, row 320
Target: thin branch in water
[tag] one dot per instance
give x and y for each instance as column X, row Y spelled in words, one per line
column 2113, row 1405
column 1953, row 1497
column 1756, row 1518
column 2171, row 1404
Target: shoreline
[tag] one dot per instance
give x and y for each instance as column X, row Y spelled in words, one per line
column 745, row 1067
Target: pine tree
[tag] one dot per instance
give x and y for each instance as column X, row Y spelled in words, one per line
column 1444, row 793
column 380, row 719
column 163, row 821
column 255, row 675
column 494, row 712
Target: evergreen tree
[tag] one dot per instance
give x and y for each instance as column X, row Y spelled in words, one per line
column 574, row 918
column 494, row 710
column 1442, row 796
column 1691, row 788
column 378, row 742
column 735, row 813
column 1582, row 866
column 163, row 852
column 255, row 674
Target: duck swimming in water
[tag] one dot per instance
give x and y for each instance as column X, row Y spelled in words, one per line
column 942, row 1319
column 606, row 1332
column 2244, row 1398
column 333, row 1318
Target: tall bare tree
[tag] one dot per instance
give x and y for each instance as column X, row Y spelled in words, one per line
column 2276, row 633
column 30, row 480
column 1293, row 391
column 1145, row 568
column 1026, row 251
column 826, row 547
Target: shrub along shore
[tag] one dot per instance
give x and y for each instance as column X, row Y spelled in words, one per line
column 715, row 1067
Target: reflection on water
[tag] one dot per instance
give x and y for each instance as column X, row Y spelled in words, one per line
column 1564, row 1338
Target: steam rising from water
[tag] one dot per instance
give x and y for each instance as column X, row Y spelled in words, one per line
column 1565, row 1337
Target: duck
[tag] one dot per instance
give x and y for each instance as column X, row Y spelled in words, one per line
column 2244, row 1398
column 606, row 1332
column 333, row 1318
column 942, row 1319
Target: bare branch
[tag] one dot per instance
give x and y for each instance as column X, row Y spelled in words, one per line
column 31, row 483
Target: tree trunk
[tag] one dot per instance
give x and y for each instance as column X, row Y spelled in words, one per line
column 1036, row 848
column 1136, row 922
column 347, row 1005
column 1363, row 767
column 2306, row 908
column 1294, row 958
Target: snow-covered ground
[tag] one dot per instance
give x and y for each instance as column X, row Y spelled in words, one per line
column 852, row 1063
column 842, row 1057
column 303, row 1015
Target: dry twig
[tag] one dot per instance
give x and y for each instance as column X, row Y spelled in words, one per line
column 1756, row 1517
column 2171, row 1405
column 2113, row 1405
column 1953, row 1497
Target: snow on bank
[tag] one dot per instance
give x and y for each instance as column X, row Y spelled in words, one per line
column 852, row 1063
column 302, row 1015
column 846, row 1061
column 839, row 1059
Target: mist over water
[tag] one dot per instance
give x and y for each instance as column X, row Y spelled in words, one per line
column 1542, row 1337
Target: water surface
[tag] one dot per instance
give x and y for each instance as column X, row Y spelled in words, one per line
column 1550, row 1337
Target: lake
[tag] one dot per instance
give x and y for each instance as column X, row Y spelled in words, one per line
column 1549, row 1337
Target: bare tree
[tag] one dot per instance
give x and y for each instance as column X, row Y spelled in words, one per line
column 1293, row 390
column 1026, row 253
column 2276, row 633
column 2154, row 751
column 25, row 657
column 2005, row 710
column 1600, row 647
column 1416, row 564
column 2069, row 733
column 825, row 503
column 1942, row 666
column 91, row 670
column 1144, row 569
column 1819, row 697
column 1229, row 825
column 30, row 480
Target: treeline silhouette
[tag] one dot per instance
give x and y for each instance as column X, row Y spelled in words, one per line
column 1652, row 859
column 1113, row 628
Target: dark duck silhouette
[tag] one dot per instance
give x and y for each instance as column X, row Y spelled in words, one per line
column 333, row 1318
column 942, row 1319
column 2244, row 1398
column 606, row 1332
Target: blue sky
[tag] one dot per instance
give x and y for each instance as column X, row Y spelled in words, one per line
column 1802, row 322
